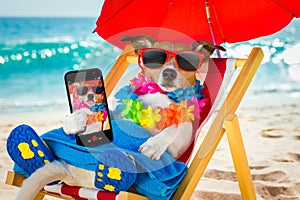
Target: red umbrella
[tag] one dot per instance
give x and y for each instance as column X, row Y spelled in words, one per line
column 217, row 21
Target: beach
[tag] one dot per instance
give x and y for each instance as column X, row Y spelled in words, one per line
column 32, row 68
column 270, row 130
column 271, row 134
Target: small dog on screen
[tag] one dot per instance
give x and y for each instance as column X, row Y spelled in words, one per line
column 171, row 67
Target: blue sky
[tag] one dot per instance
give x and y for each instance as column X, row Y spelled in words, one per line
column 50, row 8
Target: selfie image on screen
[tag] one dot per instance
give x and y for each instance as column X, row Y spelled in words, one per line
column 89, row 94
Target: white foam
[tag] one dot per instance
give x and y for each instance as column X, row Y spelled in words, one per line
column 294, row 72
column 2, row 61
column 291, row 54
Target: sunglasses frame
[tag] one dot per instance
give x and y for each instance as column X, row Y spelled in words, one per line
column 89, row 87
column 169, row 54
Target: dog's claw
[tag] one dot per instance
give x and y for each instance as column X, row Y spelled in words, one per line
column 140, row 149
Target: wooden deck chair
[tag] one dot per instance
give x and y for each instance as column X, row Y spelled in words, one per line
column 224, row 120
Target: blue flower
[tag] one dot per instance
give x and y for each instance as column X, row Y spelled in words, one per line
column 181, row 94
column 198, row 87
column 126, row 93
column 199, row 96
column 98, row 107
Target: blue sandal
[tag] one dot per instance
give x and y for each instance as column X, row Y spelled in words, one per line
column 115, row 172
column 27, row 149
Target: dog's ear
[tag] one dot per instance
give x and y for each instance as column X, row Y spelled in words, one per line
column 138, row 42
column 206, row 47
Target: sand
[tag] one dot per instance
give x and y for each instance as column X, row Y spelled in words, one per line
column 271, row 133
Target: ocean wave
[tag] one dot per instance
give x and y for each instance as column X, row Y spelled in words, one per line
column 23, row 41
column 291, row 54
column 275, row 90
column 94, row 38
column 47, row 52
column 17, row 106
column 32, row 65
column 274, row 52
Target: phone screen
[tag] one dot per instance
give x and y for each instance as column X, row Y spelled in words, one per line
column 85, row 89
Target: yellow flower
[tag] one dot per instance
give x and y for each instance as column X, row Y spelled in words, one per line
column 100, row 116
column 149, row 118
column 186, row 111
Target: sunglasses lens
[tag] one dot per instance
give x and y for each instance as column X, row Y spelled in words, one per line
column 154, row 58
column 97, row 89
column 188, row 61
column 82, row 90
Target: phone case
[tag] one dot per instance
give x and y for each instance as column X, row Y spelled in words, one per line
column 85, row 90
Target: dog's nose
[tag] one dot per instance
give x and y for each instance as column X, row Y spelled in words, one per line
column 169, row 74
column 90, row 96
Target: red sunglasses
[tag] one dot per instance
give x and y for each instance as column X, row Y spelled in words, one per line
column 83, row 90
column 154, row 58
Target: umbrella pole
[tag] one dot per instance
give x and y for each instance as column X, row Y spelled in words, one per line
column 210, row 27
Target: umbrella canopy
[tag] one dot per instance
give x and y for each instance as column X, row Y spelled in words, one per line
column 217, row 21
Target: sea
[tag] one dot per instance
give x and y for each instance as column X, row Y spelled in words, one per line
column 35, row 53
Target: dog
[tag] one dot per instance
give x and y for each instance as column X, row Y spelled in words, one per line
column 173, row 139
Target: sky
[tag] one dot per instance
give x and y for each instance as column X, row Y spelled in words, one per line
column 50, row 8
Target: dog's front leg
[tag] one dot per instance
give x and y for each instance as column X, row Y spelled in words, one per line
column 155, row 146
column 182, row 140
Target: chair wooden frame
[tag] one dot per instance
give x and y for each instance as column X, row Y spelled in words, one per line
column 225, row 121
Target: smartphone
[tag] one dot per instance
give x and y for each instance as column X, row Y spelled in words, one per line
column 85, row 90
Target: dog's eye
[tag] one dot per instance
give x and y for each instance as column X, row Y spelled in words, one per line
column 98, row 89
column 82, row 90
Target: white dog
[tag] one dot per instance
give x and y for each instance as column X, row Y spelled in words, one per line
column 170, row 73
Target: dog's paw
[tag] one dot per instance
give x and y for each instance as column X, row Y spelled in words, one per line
column 153, row 148
column 75, row 122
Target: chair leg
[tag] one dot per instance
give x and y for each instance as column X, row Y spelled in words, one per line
column 239, row 157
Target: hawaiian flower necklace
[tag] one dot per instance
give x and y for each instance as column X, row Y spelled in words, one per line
column 99, row 111
column 182, row 110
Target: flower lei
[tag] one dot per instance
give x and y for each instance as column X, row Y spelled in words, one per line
column 96, row 117
column 99, row 111
column 79, row 105
column 182, row 110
